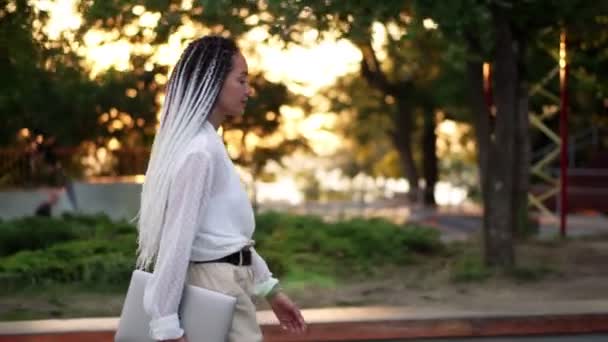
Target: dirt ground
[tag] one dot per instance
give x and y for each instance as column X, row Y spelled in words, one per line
column 578, row 271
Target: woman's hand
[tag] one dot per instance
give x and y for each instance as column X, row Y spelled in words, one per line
column 288, row 313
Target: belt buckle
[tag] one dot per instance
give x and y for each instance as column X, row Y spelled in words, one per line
column 240, row 258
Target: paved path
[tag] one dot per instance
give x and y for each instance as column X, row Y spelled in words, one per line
column 456, row 226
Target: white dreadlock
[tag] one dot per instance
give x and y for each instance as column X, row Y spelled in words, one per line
column 192, row 92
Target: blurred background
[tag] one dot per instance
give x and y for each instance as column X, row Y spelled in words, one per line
column 394, row 153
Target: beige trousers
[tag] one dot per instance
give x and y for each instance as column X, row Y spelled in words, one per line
column 236, row 281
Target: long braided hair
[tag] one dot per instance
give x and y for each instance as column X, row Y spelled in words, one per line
column 191, row 94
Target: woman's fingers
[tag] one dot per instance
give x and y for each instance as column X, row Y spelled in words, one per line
column 297, row 320
column 301, row 321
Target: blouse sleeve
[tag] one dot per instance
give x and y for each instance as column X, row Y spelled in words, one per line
column 264, row 281
column 188, row 196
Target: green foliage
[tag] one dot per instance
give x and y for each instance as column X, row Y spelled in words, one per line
column 94, row 250
column 470, row 268
column 468, row 25
column 262, row 116
column 345, row 247
column 102, row 226
column 35, row 233
column 75, row 248
column 87, row 261
column 46, row 86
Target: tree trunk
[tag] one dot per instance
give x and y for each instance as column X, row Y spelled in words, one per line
column 481, row 119
column 523, row 153
column 499, row 205
column 402, row 118
column 402, row 139
column 429, row 158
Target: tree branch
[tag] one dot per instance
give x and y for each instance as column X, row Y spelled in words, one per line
column 371, row 71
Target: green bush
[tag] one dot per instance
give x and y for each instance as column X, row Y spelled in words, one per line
column 34, row 233
column 470, row 268
column 74, row 261
column 96, row 250
column 101, row 225
column 87, row 220
column 356, row 245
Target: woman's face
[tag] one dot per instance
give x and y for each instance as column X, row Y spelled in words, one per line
column 235, row 91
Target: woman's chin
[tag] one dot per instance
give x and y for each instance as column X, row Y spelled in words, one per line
column 236, row 114
column 232, row 117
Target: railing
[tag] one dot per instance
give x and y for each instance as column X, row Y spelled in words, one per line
column 576, row 143
column 587, row 190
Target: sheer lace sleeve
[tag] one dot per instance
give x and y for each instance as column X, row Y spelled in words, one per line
column 188, row 196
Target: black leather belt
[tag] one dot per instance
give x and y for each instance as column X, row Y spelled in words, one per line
column 240, row 258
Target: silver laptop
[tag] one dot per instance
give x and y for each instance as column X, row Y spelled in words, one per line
column 205, row 315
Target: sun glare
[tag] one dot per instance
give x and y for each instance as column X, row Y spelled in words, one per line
column 63, row 16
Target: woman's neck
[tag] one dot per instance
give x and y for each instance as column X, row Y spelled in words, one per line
column 215, row 119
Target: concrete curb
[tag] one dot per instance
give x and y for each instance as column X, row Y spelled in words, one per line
column 360, row 324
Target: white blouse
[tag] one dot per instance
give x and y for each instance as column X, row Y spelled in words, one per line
column 208, row 217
